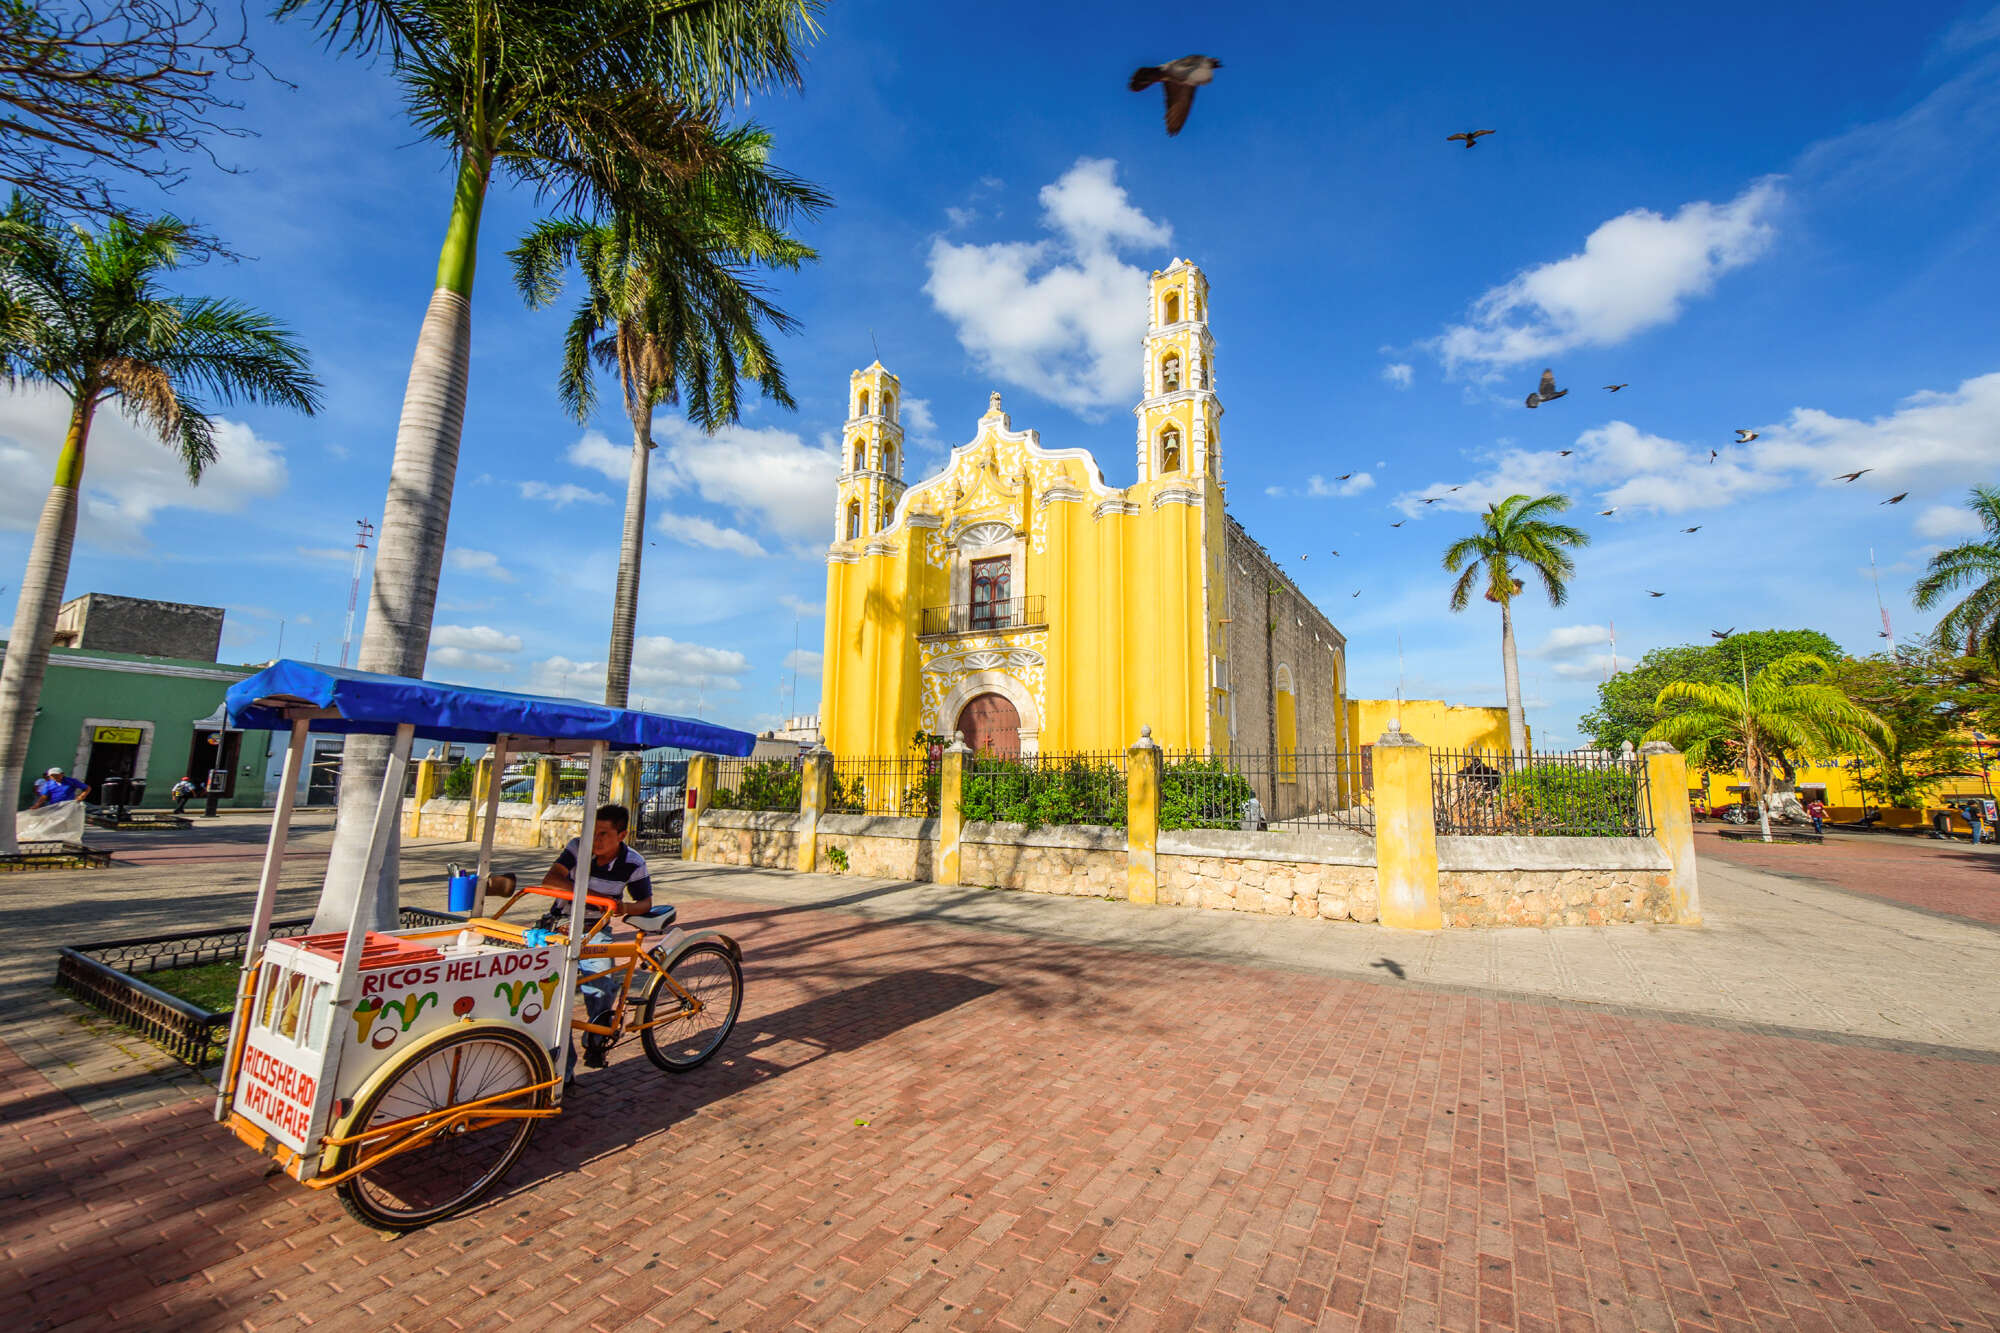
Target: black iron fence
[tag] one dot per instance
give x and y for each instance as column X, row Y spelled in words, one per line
column 906, row 785
column 662, row 811
column 1298, row 790
column 758, row 784
column 1540, row 795
column 977, row 617
column 1080, row 788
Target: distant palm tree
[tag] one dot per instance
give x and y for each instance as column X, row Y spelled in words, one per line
column 676, row 317
column 1972, row 626
column 1515, row 530
column 596, row 104
column 1789, row 707
column 83, row 313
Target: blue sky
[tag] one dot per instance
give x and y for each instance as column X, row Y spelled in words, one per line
column 1778, row 220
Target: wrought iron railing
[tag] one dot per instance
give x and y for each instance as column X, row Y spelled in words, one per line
column 1080, row 788
column 758, row 784
column 907, row 785
column 657, row 823
column 1539, row 795
column 985, row 617
column 1295, row 790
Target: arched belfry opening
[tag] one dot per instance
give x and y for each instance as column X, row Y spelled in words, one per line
column 1170, row 373
column 1170, row 449
column 1170, row 309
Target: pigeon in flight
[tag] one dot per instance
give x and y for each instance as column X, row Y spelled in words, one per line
column 1343, row 476
column 1336, row 553
column 1305, row 557
column 1881, row 634
column 1721, row 633
column 1357, row 592
column 1711, row 455
column 1695, row 528
column 1896, row 499
column 1455, row 488
column 1434, row 499
column 1651, row 593
column 1607, row 513
column 1547, row 392
column 1745, row 436
column 1471, row 137
column 1614, row 388
column 1399, row 524
column 1564, row 453
column 1181, row 78
column 1850, row 476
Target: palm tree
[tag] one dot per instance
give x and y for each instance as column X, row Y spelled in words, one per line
column 595, row 104
column 672, row 321
column 1972, row 626
column 83, row 313
column 1516, row 529
column 1789, row 707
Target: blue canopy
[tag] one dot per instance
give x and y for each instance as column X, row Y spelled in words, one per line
column 348, row 702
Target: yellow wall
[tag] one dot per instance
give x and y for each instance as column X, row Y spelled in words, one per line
column 1440, row 725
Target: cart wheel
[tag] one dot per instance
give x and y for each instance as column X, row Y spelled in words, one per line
column 446, row 1171
column 688, row 1036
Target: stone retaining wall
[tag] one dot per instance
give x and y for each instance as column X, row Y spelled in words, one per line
column 1329, row 875
column 1553, row 881
column 1073, row 860
column 879, row 846
column 765, row 838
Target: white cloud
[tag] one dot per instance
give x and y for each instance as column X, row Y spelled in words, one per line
column 694, row 530
column 1634, row 272
column 804, row 661
column 599, row 454
column 1399, row 373
column 660, row 666
column 961, row 218
column 466, row 560
column 331, row 554
column 563, row 495
column 767, row 476
column 800, row 607
column 1061, row 317
column 129, row 476
column 1320, row 487
column 472, row 648
column 1946, row 523
column 1576, row 651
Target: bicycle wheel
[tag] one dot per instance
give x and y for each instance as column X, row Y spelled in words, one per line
column 688, row 1034
column 455, row 1168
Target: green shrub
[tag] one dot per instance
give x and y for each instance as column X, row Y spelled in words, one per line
column 1202, row 793
column 1052, row 789
column 769, row 784
column 458, row 782
column 1565, row 800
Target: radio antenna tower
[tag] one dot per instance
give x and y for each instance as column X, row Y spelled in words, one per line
column 1887, row 632
column 363, row 530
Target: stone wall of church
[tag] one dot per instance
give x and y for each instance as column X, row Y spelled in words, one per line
column 1300, row 637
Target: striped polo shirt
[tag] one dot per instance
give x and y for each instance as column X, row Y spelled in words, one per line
column 625, row 875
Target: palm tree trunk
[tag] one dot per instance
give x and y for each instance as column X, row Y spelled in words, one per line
column 1517, row 726
column 403, row 595
column 625, row 602
column 35, row 616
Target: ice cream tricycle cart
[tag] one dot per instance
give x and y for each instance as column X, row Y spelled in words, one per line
column 406, row 1069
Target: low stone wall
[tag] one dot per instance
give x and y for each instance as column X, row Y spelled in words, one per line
column 764, row 838
column 1553, row 881
column 1327, row 875
column 880, row 846
column 1070, row 859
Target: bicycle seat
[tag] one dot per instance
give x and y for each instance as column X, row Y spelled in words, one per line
column 653, row 922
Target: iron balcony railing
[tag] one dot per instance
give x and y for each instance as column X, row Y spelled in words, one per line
column 985, row 617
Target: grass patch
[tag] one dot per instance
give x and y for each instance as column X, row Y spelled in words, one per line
column 211, row 986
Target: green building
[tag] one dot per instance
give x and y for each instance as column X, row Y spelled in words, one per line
column 149, row 719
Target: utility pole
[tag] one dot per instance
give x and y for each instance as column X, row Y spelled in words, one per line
column 363, row 531
column 1887, row 632
column 1614, row 653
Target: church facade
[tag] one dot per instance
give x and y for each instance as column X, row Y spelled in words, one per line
column 1018, row 598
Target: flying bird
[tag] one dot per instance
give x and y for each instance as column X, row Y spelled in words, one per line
column 1455, row 488
column 1471, row 137
column 1434, row 499
column 1180, row 77
column 1711, row 455
column 1850, row 476
column 1607, row 513
column 1695, row 528
column 1336, row 553
column 1896, row 499
column 1343, row 476
column 1357, row 592
column 1305, row 557
column 1651, row 593
column 1614, row 388
column 1881, row 634
column 1547, row 392
column 1721, row 633
column 1564, row 453
column 1745, row 436
column 1400, row 524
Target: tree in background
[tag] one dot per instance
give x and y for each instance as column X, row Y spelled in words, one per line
column 677, row 317
column 1972, row 626
column 1515, row 531
column 1935, row 704
column 83, row 313
column 1763, row 723
column 601, row 106
column 1628, row 704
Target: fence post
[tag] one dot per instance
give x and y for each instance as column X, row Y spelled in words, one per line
column 951, row 819
column 483, row 778
column 1673, row 824
column 1142, row 820
column 700, row 791
column 1406, row 859
column 625, row 783
column 430, row 777
column 815, row 785
column 548, row 781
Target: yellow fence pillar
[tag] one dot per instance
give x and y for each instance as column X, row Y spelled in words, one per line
column 1673, row 824
column 1406, row 859
column 815, row 784
column 483, row 778
column 1142, row 820
column 700, row 790
column 951, row 818
column 548, row 781
column 430, row 780
column 625, row 784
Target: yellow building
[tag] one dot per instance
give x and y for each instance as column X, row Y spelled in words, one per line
column 1440, row 725
column 1017, row 597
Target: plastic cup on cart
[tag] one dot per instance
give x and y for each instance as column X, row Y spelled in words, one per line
column 464, row 893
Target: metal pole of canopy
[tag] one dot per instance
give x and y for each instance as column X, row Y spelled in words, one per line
column 492, row 813
column 267, row 898
column 387, row 818
column 579, row 891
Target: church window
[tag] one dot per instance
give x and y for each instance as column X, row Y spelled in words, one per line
column 853, row 520
column 992, row 587
column 860, row 454
column 889, row 458
column 889, row 405
column 864, row 404
column 1288, row 727
column 1170, row 449
column 1172, row 309
column 1170, row 373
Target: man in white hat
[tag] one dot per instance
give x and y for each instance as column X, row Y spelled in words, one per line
column 54, row 789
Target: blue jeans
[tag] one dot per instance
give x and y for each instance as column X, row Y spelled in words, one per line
column 1817, row 827
column 600, row 995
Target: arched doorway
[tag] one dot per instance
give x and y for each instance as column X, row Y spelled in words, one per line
column 991, row 726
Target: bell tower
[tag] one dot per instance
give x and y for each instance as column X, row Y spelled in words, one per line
column 871, row 455
column 1179, row 414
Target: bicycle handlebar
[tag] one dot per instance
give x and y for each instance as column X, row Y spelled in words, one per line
column 557, row 891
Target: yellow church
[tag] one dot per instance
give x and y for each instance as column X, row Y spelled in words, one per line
column 1019, row 599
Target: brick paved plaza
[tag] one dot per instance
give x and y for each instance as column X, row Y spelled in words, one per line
column 980, row 1110
column 1938, row 876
